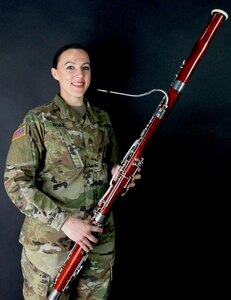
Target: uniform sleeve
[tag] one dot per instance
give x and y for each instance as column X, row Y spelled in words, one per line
column 23, row 161
column 114, row 152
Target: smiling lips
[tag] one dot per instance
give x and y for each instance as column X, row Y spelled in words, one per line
column 78, row 84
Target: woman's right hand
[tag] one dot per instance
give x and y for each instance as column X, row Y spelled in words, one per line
column 80, row 231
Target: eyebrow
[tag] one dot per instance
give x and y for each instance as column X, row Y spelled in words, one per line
column 71, row 62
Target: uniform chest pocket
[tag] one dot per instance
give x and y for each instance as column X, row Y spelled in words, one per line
column 62, row 148
column 96, row 141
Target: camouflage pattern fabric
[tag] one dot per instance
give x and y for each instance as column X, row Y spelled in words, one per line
column 92, row 283
column 59, row 165
column 94, row 280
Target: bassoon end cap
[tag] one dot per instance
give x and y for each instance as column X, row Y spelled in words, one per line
column 220, row 11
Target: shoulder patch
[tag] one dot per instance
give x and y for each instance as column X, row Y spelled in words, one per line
column 20, row 132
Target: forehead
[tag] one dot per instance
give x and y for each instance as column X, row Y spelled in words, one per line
column 74, row 55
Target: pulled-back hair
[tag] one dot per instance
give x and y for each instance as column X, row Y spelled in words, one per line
column 64, row 48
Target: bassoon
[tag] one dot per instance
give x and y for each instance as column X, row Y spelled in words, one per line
column 133, row 159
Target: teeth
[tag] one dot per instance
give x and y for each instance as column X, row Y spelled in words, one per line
column 78, row 84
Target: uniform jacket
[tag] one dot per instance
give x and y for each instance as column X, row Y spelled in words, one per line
column 58, row 165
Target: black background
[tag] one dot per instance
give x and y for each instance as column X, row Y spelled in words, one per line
column 172, row 227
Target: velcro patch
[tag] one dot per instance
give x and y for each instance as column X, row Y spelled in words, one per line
column 20, row 132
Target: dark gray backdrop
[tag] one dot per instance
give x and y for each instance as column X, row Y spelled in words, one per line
column 171, row 235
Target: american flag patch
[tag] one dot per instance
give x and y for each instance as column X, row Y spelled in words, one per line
column 20, row 132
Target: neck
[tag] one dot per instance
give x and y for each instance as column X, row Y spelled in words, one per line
column 73, row 101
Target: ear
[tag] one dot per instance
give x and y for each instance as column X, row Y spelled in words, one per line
column 54, row 73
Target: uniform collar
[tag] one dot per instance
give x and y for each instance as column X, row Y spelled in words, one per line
column 67, row 113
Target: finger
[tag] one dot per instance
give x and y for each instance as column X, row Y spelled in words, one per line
column 84, row 247
column 92, row 238
column 137, row 176
column 96, row 229
column 132, row 184
column 88, row 245
column 94, row 235
column 125, row 191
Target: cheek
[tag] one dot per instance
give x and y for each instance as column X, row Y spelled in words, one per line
column 64, row 79
column 88, row 78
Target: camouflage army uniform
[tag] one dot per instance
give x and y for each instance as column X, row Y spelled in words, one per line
column 58, row 165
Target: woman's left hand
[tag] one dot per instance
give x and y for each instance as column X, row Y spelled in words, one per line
column 133, row 179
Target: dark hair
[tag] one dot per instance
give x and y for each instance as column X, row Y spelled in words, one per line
column 64, row 48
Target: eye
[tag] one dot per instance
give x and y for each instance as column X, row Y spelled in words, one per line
column 86, row 68
column 70, row 67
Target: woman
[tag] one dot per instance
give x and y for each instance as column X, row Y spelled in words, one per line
column 58, row 167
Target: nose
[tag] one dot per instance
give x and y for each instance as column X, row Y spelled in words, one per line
column 79, row 73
